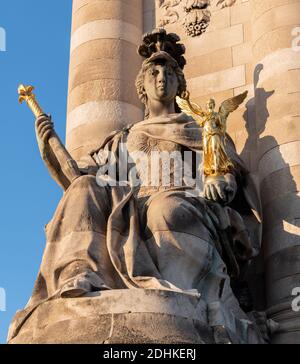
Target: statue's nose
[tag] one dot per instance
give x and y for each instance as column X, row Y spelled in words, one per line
column 162, row 77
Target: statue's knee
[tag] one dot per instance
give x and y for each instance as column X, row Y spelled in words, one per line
column 165, row 210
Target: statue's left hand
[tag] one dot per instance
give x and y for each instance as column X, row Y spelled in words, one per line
column 220, row 189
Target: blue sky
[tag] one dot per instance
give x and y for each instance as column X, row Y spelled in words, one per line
column 38, row 37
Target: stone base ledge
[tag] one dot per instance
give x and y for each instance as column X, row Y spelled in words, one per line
column 128, row 316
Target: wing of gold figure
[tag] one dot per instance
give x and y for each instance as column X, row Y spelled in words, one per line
column 231, row 105
column 191, row 109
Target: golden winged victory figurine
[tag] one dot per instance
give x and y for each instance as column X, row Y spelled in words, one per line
column 216, row 161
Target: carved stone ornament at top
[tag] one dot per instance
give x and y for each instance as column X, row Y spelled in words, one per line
column 225, row 3
column 170, row 16
column 197, row 13
column 197, row 17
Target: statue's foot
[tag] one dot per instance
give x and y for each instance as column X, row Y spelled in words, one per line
column 83, row 284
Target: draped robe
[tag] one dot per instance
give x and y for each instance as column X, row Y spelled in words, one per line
column 121, row 237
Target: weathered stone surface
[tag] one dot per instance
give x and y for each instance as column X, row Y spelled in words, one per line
column 288, row 331
column 276, row 18
column 209, row 63
column 240, row 13
column 102, row 90
column 212, row 41
column 277, row 111
column 282, row 235
column 259, row 36
column 119, row 316
column 242, row 54
column 220, row 63
column 284, row 263
column 102, row 49
column 217, row 81
column 103, row 62
column 103, row 9
column 102, row 69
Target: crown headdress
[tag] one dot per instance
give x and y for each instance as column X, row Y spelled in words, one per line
column 159, row 41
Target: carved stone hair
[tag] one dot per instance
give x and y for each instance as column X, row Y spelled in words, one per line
column 141, row 80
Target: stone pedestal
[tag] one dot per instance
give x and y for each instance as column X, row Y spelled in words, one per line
column 133, row 316
column 119, row 317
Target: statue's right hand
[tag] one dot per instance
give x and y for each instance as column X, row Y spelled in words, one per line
column 44, row 130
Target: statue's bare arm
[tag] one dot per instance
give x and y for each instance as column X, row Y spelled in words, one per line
column 62, row 168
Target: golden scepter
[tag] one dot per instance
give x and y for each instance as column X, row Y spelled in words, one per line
column 25, row 94
column 67, row 163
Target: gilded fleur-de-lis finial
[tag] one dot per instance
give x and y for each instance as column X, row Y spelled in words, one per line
column 25, row 94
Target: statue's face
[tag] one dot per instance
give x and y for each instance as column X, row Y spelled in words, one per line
column 211, row 104
column 161, row 83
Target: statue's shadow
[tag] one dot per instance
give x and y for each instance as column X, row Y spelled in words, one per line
column 275, row 256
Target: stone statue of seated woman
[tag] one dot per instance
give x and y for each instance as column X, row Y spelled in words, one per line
column 130, row 221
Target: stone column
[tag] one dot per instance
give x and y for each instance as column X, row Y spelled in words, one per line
column 277, row 103
column 103, row 67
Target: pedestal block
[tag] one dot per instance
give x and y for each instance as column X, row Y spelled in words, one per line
column 133, row 316
column 126, row 316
